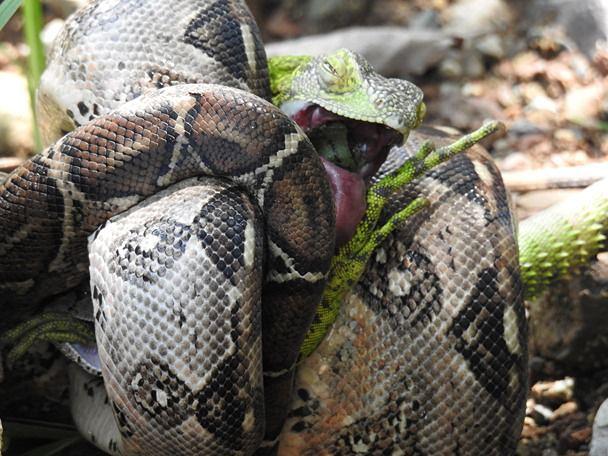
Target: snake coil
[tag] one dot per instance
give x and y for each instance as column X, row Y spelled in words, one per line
column 188, row 193
column 111, row 163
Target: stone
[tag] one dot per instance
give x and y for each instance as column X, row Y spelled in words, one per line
column 426, row 19
column 585, row 22
column 541, row 414
column 473, row 18
column 50, row 31
column 554, row 392
column 491, row 46
column 334, row 13
column 451, row 68
column 473, row 65
column 522, row 127
column 542, row 103
column 515, row 161
column 568, row 136
column 568, row 323
column 599, row 439
column 392, row 51
column 583, row 105
column 567, row 408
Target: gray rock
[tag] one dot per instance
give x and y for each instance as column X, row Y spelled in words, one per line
column 50, row 31
column 568, row 324
column 451, row 68
column 322, row 14
column 585, row 22
column 393, row 51
column 522, row 127
column 491, row 46
column 473, row 18
column 542, row 103
column 473, row 65
column 427, row 19
column 599, row 440
column 583, row 104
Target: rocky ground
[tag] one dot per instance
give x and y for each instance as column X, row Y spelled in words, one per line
column 536, row 66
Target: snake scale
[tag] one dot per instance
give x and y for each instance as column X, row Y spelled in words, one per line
column 176, row 133
column 211, row 227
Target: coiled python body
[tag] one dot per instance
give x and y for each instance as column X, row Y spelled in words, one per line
column 51, row 204
column 427, row 356
column 182, row 351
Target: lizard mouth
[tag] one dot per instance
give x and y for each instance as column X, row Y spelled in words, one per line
column 352, row 151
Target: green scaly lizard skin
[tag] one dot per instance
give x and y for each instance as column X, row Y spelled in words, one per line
column 344, row 83
column 282, row 70
column 56, row 327
column 558, row 241
column 553, row 245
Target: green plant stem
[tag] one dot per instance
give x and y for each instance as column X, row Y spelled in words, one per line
column 7, row 9
column 32, row 25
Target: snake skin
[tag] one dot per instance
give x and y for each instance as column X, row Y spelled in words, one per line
column 93, row 68
column 428, row 354
column 195, row 310
column 52, row 203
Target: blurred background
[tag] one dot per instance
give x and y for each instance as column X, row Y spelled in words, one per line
column 540, row 66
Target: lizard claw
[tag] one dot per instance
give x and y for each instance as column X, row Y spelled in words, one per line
column 349, row 263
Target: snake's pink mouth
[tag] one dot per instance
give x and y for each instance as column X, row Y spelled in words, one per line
column 352, row 151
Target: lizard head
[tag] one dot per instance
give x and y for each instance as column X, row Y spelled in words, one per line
column 345, row 84
column 352, row 115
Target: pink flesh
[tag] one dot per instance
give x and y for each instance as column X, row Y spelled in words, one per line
column 349, row 187
column 313, row 116
column 349, row 199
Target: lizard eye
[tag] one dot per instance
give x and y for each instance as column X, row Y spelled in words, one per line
column 328, row 73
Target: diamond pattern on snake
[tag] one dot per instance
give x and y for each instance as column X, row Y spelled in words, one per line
column 260, row 280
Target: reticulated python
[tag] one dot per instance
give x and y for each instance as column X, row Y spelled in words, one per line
column 428, row 352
